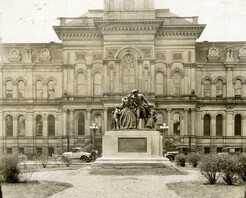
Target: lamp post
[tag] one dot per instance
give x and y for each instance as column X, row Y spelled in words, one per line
column 163, row 129
column 93, row 128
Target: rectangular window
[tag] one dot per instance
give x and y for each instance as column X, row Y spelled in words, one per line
column 51, row 151
column 9, row 150
column 206, row 150
column 39, row 151
column 219, row 150
column 21, row 150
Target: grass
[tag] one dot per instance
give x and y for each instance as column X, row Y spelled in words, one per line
column 37, row 189
column 137, row 171
column 199, row 189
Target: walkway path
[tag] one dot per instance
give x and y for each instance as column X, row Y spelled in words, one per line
column 97, row 186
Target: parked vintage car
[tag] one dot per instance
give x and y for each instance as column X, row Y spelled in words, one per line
column 171, row 155
column 78, row 153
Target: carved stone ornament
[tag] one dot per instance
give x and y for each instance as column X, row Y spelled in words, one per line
column 177, row 56
column 147, row 53
column 110, row 53
column 213, row 55
column 242, row 54
column 14, row 55
column 97, row 57
column 80, row 56
column 229, row 54
column 160, row 56
column 45, row 55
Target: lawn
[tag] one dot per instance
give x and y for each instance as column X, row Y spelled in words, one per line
column 200, row 189
column 38, row 189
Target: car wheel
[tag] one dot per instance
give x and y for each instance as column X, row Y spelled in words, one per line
column 171, row 158
column 85, row 159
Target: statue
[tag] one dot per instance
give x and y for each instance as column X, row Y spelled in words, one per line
column 134, row 107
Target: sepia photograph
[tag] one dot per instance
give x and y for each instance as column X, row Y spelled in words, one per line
column 123, row 98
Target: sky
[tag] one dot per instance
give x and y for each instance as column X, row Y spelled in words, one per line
column 31, row 21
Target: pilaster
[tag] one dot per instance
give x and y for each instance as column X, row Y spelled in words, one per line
column 152, row 76
column 193, row 121
column 229, row 82
column 89, row 81
column 199, row 124
column 169, row 124
column 45, row 126
column 71, row 122
column 186, row 121
column 244, row 126
column 64, row 114
column 15, row 126
column 88, row 122
column 229, row 124
column 168, row 80
column 105, row 116
column 29, row 124
column 213, row 126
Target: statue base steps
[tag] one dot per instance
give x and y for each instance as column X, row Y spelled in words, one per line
column 132, row 149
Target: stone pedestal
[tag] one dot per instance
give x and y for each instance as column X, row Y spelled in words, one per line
column 131, row 149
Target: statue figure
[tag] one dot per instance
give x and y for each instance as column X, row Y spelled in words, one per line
column 116, row 117
column 134, row 107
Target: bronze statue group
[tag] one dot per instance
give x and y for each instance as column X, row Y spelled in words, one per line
column 135, row 112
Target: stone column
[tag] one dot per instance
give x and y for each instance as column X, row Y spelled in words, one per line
column 224, row 126
column 186, row 80
column 15, row 90
column 193, row 79
column 229, row 123
column 118, row 80
column 45, row 90
column 140, row 83
column 29, row 91
column 88, row 122
column 186, row 121
column 29, row 124
column 168, row 91
column 45, row 126
column 199, row 124
column 198, row 82
column 71, row 121
column 64, row 114
column 105, row 117
column 71, row 81
column 152, row 76
column 170, row 129
column 213, row 126
column 65, row 82
column 89, row 81
column 193, row 120
column 243, row 126
column 106, row 77
column 15, row 126
column 229, row 83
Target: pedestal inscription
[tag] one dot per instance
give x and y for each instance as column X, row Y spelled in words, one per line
column 132, row 145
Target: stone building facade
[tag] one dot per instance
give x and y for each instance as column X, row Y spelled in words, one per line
column 51, row 93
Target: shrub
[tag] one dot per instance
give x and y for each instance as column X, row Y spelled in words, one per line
column 209, row 167
column 9, row 170
column 241, row 169
column 43, row 159
column 180, row 159
column 194, row 158
column 228, row 167
column 66, row 160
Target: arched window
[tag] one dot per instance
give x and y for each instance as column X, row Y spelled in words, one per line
column 39, row 125
column 81, row 84
column 219, row 89
column 237, row 125
column 128, row 4
column 97, row 84
column 177, row 83
column 51, row 125
column 206, row 125
column 9, row 89
column 207, row 88
column 176, row 124
column 238, row 88
column 21, row 125
column 129, row 63
column 159, row 83
column 81, row 124
column 39, row 89
column 51, row 89
column 219, row 125
column 21, row 89
column 9, row 125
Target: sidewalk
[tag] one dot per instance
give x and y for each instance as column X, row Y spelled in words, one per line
column 97, row 186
